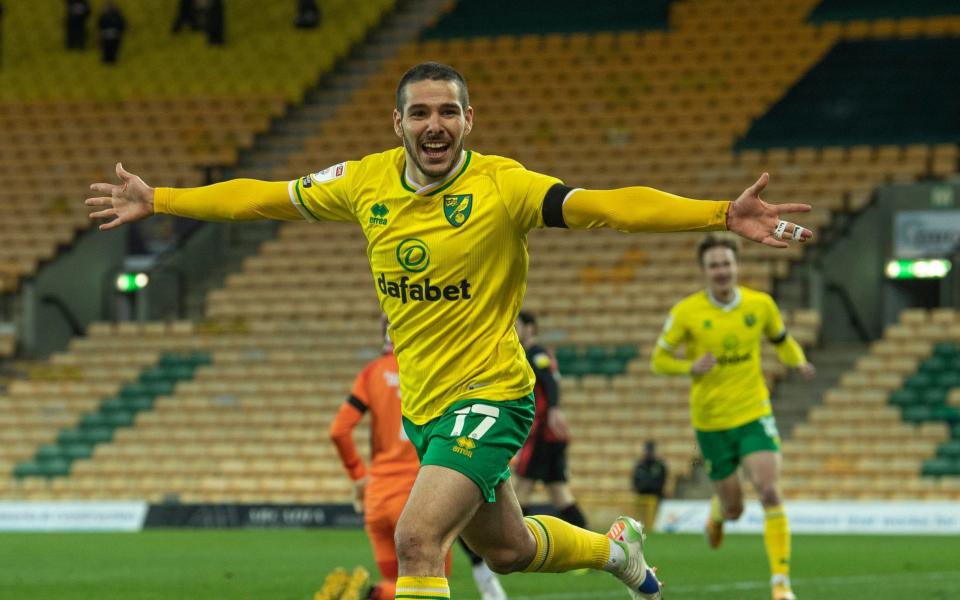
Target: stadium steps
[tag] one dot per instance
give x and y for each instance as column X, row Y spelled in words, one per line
column 399, row 27
column 55, row 460
column 286, row 135
column 245, row 241
column 793, row 397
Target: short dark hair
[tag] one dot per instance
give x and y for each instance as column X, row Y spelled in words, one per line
column 526, row 317
column 433, row 71
column 717, row 240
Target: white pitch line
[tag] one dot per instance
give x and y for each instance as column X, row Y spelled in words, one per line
column 816, row 582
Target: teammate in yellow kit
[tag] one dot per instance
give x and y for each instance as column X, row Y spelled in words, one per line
column 721, row 329
column 447, row 243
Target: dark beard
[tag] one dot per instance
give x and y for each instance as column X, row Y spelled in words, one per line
column 414, row 156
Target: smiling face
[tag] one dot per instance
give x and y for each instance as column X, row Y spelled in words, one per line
column 720, row 269
column 433, row 126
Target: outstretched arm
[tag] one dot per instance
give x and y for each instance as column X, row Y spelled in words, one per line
column 236, row 200
column 636, row 209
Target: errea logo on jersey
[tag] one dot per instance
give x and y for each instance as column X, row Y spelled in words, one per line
column 464, row 446
column 378, row 214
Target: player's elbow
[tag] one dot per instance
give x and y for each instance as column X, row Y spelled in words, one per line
column 657, row 366
column 336, row 433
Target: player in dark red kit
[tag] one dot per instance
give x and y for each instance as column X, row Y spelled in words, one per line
column 544, row 455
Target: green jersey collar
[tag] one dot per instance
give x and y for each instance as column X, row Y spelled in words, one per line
column 437, row 186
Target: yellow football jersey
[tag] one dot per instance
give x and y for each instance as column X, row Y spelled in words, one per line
column 734, row 391
column 449, row 262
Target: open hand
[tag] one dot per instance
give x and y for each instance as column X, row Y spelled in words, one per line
column 128, row 202
column 754, row 219
column 807, row 370
column 703, row 364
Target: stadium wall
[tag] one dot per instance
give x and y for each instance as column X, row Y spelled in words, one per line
column 94, row 257
column 675, row 516
column 855, row 260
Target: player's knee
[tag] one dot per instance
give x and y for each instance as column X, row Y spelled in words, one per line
column 506, row 560
column 769, row 495
column 733, row 511
column 415, row 548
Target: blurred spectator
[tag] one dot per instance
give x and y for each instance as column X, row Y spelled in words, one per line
column 308, row 15
column 76, row 22
column 213, row 21
column 111, row 24
column 649, row 479
column 186, row 15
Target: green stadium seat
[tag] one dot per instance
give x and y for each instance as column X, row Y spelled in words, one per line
column 950, row 449
column 933, row 396
column 579, row 367
column 28, row 469
column 137, row 403
column 156, row 374
column 917, row 413
column 940, row 467
column 934, row 365
column 172, row 359
column 947, row 350
column 96, row 435
column 180, row 372
column 112, row 405
column 948, row 379
column 160, row 388
column 75, row 451
column 135, row 389
column 946, row 413
column 918, row 381
column 94, row 420
column 611, row 367
column 71, row 436
column 201, row 358
column 904, row 397
column 566, row 354
column 55, row 468
column 626, row 352
column 596, row 353
column 48, row 452
column 118, row 419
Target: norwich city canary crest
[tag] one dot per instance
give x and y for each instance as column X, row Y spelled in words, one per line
column 457, row 207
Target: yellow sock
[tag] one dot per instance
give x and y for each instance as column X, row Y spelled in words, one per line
column 776, row 537
column 420, row 588
column 565, row 547
column 716, row 513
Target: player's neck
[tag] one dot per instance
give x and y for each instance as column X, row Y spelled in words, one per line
column 723, row 297
column 421, row 181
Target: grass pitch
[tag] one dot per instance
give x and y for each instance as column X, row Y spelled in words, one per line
column 283, row 564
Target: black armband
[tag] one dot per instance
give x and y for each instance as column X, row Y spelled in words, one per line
column 553, row 205
column 780, row 338
column 355, row 402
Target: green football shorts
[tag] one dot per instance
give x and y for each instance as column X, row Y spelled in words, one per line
column 722, row 450
column 475, row 437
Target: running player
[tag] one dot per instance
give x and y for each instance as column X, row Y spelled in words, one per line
column 721, row 329
column 382, row 490
column 446, row 233
column 544, row 455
